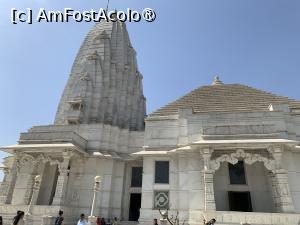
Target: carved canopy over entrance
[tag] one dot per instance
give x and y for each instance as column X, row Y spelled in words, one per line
column 248, row 158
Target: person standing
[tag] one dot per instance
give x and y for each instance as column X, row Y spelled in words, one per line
column 103, row 221
column 59, row 219
column 82, row 220
column 115, row 221
column 211, row 222
column 1, row 221
column 155, row 222
column 98, row 221
column 19, row 219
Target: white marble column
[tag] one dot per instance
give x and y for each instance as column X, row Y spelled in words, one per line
column 209, row 198
column 4, row 188
column 62, row 180
column 77, row 182
column 196, row 187
column 208, row 178
column 25, row 179
column 281, row 191
column 147, row 191
column 280, row 184
column 9, row 181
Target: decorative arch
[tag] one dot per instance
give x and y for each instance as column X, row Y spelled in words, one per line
column 249, row 158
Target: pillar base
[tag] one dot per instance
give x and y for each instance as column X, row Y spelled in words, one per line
column 163, row 222
column 92, row 220
column 48, row 220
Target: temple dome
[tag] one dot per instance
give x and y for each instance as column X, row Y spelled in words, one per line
column 105, row 85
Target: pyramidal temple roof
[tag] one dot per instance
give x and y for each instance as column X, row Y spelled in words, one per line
column 226, row 98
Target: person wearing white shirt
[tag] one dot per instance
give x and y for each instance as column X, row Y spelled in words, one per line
column 82, row 220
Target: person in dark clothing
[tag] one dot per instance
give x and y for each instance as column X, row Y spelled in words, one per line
column 155, row 222
column 19, row 219
column 59, row 219
column 103, row 221
column 17, row 214
column 211, row 222
column 1, row 221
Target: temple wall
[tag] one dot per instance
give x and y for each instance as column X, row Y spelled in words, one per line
column 185, row 186
column 291, row 162
column 258, row 185
column 96, row 136
column 162, row 133
column 81, row 186
column 186, row 127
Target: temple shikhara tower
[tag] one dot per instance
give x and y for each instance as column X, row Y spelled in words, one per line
column 224, row 151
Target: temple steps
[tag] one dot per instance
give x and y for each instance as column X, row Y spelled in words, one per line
column 128, row 223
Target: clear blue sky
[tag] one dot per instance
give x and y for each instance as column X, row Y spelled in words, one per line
column 251, row 42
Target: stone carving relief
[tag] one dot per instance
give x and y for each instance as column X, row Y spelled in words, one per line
column 43, row 158
column 249, row 158
column 161, row 200
column 24, row 161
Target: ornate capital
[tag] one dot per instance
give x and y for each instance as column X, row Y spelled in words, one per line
column 276, row 152
column 206, row 155
column 25, row 160
column 67, row 154
column 63, row 169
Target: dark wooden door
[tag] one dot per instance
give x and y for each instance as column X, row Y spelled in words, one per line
column 240, row 201
column 135, row 206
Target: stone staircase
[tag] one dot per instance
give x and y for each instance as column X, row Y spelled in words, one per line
column 129, row 223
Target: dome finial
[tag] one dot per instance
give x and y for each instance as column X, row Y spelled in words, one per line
column 217, row 81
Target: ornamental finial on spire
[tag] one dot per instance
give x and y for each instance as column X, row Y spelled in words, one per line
column 217, row 81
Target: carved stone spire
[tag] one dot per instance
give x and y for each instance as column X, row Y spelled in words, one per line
column 105, row 85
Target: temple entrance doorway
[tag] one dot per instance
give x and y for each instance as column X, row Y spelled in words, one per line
column 243, row 187
column 240, row 201
column 135, row 206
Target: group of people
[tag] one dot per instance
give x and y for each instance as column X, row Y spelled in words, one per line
column 211, row 222
column 83, row 221
column 19, row 220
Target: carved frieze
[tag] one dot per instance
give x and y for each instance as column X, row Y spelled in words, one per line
column 248, row 158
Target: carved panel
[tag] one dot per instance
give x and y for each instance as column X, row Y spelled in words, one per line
column 161, row 200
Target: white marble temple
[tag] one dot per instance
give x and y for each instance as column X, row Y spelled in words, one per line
column 101, row 129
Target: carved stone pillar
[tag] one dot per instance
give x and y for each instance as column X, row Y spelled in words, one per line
column 280, row 184
column 62, row 180
column 210, row 203
column 4, row 188
column 77, row 182
column 281, row 191
column 208, row 177
column 26, row 168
